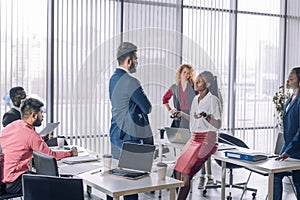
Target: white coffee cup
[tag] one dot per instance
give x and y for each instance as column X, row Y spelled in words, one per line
column 60, row 142
column 161, row 170
column 107, row 161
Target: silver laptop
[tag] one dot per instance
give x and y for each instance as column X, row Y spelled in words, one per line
column 135, row 161
column 49, row 128
column 178, row 135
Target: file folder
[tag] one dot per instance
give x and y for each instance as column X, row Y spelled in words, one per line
column 248, row 156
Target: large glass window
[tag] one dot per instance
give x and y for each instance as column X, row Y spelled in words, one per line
column 23, row 37
column 250, row 47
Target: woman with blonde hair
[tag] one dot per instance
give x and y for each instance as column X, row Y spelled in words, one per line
column 182, row 93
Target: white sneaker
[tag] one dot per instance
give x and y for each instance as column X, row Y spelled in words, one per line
column 210, row 179
column 202, row 182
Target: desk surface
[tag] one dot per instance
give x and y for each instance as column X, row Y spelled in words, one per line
column 78, row 168
column 117, row 186
column 269, row 165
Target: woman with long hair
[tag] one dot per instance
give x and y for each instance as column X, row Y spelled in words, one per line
column 182, row 93
column 205, row 120
column 291, row 133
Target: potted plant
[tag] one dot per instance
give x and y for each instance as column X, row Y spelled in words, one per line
column 279, row 100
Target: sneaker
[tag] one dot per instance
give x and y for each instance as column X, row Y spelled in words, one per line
column 210, row 179
column 201, row 184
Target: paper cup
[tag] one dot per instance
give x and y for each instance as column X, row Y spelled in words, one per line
column 60, row 142
column 161, row 171
column 107, row 160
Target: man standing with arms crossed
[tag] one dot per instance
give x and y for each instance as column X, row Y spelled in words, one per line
column 130, row 105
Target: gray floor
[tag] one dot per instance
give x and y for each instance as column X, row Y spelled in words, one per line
column 240, row 175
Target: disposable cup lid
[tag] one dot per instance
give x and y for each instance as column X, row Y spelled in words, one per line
column 161, row 164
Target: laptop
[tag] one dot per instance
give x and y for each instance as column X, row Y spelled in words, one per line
column 49, row 128
column 178, row 135
column 135, row 161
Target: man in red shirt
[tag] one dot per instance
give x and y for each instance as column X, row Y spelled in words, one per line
column 18, row 141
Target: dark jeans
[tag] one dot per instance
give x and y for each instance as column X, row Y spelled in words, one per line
column 278, row 184
column 128, row 197
column 16, row 186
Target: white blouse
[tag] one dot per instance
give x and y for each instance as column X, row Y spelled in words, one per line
column 209, row 104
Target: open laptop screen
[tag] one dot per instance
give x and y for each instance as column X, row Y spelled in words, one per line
column 136, row 156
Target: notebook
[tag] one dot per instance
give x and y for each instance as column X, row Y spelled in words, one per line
column 178, row 135
column 135, row 161
column 49, row 128
column 79, row 159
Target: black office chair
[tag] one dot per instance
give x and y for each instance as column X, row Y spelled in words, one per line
column 47, row 165
column 52, row 142
column 10, row 196
column 44, row 164
column 37, row 187
column 231, row 140
column 279, row 143
column 3, row 194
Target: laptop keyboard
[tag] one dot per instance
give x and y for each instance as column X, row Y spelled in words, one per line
column 126, row 173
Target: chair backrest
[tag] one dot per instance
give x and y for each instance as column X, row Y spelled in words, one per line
column 229, row 139
column 44, row 164
column 53, row 142
column 37, row 187
column 279, row 143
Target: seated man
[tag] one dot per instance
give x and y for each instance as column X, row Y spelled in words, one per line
column 19, row 140
column 17, row 94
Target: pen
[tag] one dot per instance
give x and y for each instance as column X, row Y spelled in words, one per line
column 95, row 172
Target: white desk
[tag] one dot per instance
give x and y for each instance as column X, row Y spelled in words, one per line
column 270, row 166
column 117, row 186
column 75, row 169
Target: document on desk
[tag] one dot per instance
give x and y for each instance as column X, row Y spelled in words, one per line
column 75, row 169
column 246, row 155
column 79, row 159
column 223, row 147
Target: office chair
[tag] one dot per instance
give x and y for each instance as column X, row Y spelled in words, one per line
column 44, row 164
column 231, row 140
column 10, row 196
column 3, row 194
column 37, row 187
column 52, row 142
column 47, row 165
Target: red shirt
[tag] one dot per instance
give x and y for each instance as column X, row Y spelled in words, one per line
column 18, row 141
column 183, row 101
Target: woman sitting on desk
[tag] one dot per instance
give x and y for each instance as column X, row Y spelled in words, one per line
column 291, row 133
column 205, row 120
